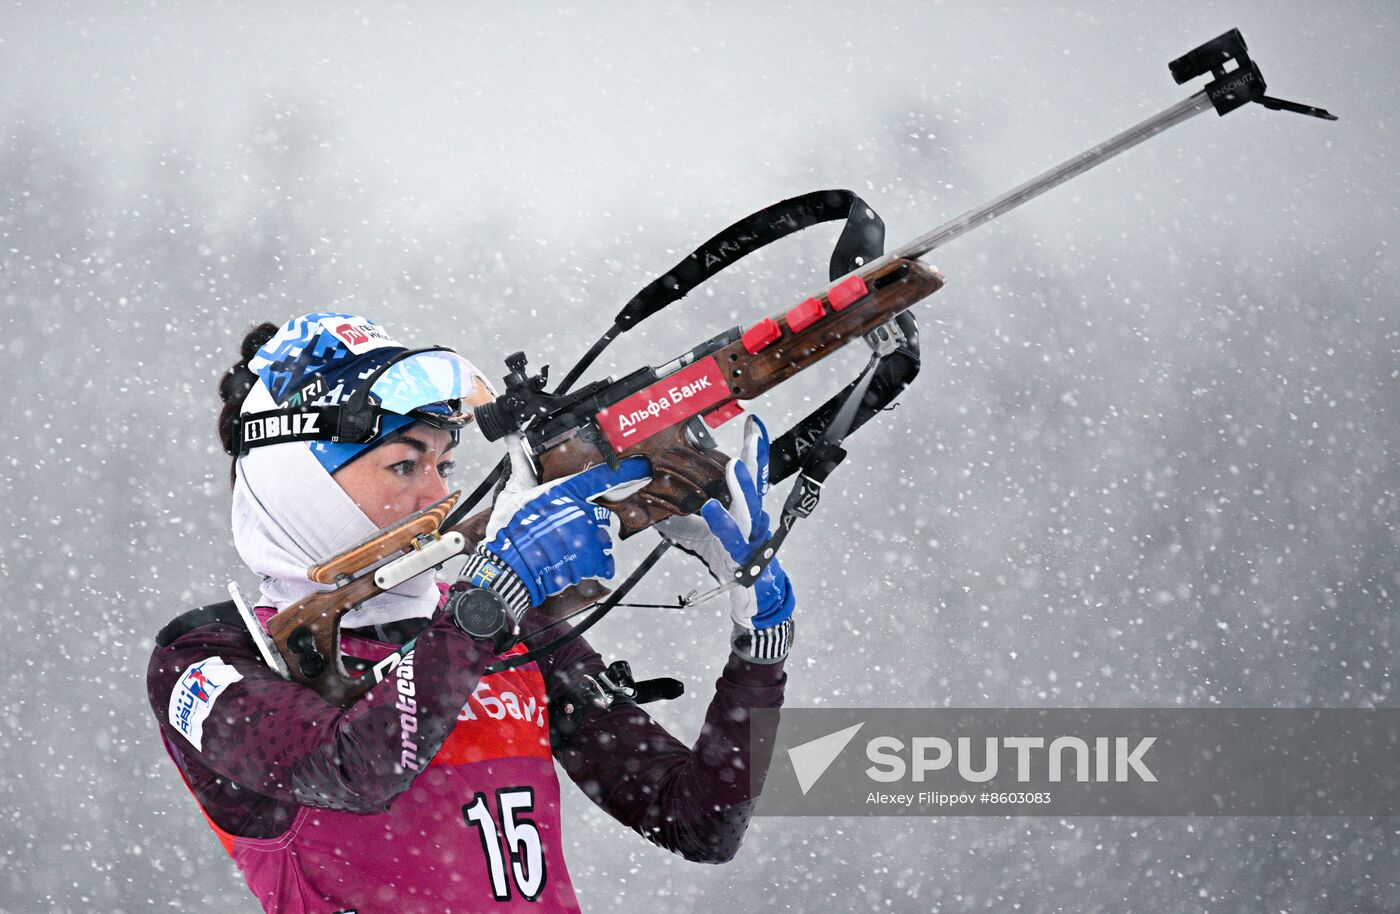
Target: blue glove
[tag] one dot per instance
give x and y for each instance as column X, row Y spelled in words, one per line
column 543, row 539
column 726, row 539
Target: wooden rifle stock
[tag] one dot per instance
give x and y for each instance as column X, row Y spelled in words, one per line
column 686, row 474
column 307, row 633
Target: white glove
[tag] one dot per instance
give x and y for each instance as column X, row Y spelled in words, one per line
column 723, row 539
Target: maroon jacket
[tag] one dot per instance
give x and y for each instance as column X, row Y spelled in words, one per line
column 436, row 791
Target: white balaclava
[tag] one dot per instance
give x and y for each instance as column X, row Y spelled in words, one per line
column 289, row 514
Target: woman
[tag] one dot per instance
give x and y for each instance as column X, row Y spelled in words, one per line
column 437, row 790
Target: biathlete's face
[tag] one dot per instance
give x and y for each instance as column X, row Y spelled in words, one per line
column 408, row 472
column 403, row 475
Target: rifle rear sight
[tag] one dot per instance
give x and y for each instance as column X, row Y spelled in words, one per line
column 523, row 397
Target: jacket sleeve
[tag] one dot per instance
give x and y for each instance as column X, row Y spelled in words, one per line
column 218, row 702
column 692, row 800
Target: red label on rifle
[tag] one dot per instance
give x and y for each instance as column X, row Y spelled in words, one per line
column 673, row 399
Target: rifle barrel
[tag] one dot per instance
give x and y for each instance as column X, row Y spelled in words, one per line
column 1070, row 168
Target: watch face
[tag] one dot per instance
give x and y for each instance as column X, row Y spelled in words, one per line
column 479, row 613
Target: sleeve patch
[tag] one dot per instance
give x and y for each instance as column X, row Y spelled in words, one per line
column 193, row 698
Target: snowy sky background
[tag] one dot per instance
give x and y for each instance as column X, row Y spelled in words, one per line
column 1150, row 460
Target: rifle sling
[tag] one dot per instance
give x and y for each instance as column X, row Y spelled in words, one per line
column 862, row 240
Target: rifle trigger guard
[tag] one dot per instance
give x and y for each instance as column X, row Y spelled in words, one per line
column 886, row 339
column 597, row 695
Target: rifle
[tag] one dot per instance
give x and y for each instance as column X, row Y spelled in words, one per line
column 665, row 413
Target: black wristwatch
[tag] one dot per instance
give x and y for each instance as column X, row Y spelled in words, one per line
column 482, row 615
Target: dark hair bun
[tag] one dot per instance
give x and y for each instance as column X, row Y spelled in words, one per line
column 237, row 381
column 257, row 338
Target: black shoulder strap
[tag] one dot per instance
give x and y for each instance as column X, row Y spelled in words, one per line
column 861, row 241
column 225, row 613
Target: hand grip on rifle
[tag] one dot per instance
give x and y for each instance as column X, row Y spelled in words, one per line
column 307, row 633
